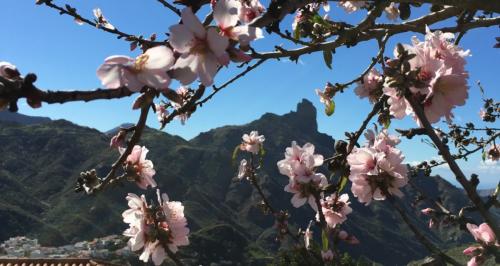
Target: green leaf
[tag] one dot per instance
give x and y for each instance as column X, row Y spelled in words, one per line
column 262, row 153
column 330, row 108
column 235, row 154
column 387, row 123
column 327, row 55
column 343, row 182
column 296, row 32
column 484, row 156
column 324, row 240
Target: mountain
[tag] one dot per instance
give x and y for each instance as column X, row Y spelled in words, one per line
column 40, row 163
column 6, row 116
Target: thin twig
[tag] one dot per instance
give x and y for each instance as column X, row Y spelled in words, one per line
column 170, row 6
column 445, row 153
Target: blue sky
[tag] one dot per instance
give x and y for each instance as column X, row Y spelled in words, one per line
column 65, row 56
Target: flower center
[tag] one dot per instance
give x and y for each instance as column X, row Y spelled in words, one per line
column 140, row 62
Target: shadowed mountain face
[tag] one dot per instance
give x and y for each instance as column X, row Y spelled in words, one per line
column 39, row 164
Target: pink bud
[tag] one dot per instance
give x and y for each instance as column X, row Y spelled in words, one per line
column 472, row 251
column 427, row 211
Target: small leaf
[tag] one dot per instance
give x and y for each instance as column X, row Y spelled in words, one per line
column 484, row 156
column 327, row 55
column 343, row 182
column 324, row 240
column 387, row 123
column 235, row 154
column 296, row 32
column 330, row 108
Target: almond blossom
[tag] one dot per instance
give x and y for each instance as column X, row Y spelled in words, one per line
column 352, row 6
column 368, row 87
column 161, row 112
column 8, row 70
column 335, row 209
column 101, row 21
column 442, row 75
column 148, row 69
column 201, row 50
column 377, row 169
column 392, row 11
column 487, row 240
column 154, row 228
column 139, row 169
column 252, row 143
column 299, row 165
column 250, row 9
column 226, row 14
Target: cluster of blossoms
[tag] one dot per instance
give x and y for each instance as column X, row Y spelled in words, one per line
column 488, row 244
column 391, row 11
column 198, row 51
column 155, row 228
column 441, row 82
column 377, row 169
column 251, row 143
column 441, row 79
column 299, row 165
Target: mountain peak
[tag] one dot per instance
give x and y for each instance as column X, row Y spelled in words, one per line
column 305, row 116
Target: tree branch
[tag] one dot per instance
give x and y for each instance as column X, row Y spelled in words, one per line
column 445, row 153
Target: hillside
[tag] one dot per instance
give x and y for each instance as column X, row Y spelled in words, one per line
column 39, row 164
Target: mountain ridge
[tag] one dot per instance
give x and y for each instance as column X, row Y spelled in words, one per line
column 44, row 160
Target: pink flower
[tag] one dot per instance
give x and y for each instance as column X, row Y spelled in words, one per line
column 175, row 223
column 252, row 143
column 352, row 6
column 375, row 173
column 392, row 12
column 155, row 228
column 299, row 161
column 202, row 50
column 327, row 255
column 382, row 141
column 494, row 152
column 368, row 88
column 8, row 70
column 149, row 69
column 184, row 94
column 303, row 190
column 299, row 165
column 101, row 21
column 484, row 236
column 161, row 112
column 250, row 9
column 140, row 169
column 442, row 75
column 482, row 233
column 427, row 211
column 335, row 211
column 226, row 14
column 118, row 140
